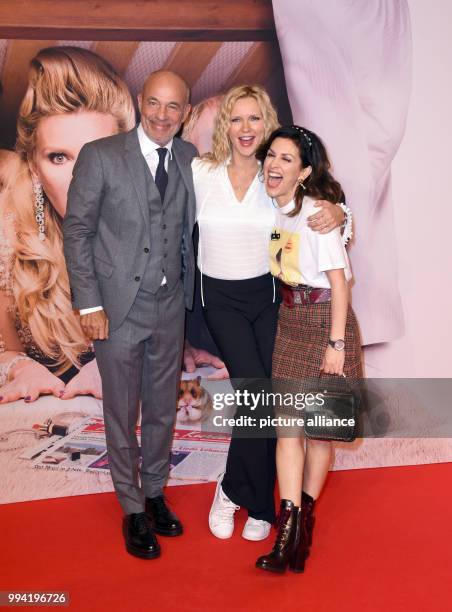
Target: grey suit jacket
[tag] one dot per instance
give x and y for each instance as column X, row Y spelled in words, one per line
column 107, row 224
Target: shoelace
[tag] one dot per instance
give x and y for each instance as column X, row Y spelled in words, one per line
column 255, row 522
column 283, row 532
column 141, row 523
column 159, row 502
column 226, row 509
column 161, row 507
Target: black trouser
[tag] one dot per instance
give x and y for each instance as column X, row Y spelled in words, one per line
column 242, row 318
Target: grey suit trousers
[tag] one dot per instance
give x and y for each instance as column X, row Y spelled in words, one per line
column 144, row 353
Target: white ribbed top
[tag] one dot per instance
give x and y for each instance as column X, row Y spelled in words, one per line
column 233, row 236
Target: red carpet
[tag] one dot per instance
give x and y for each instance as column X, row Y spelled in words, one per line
column 383, row 541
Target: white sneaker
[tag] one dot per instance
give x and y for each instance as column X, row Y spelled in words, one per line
column 256, row 530
column 221, row 516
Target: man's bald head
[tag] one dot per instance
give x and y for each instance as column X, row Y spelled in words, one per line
column 163, row 105
column 168, row 78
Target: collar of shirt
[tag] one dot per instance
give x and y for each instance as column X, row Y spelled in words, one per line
column 148, row 146
column 287, row 208
column 228, row 160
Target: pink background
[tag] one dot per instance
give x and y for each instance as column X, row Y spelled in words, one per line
column 422, row 207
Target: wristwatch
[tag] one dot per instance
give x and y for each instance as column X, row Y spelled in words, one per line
column 338, row 345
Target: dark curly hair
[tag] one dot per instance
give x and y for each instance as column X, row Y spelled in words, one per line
column 320, row 184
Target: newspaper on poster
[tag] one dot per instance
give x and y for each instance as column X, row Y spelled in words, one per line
column 196, row 456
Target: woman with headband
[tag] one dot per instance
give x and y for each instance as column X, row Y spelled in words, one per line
column 317, row 331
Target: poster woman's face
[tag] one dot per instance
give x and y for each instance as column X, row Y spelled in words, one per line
column 59, row 139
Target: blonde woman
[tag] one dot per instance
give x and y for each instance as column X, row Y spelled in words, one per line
column 235, row 219
column 73, row 97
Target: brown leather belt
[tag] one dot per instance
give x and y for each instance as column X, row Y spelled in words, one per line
column 302, row 294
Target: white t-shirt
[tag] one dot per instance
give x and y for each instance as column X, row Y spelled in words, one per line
column 233, row 235
column 299, row 255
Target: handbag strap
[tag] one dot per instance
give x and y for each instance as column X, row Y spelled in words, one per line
column 335, row 377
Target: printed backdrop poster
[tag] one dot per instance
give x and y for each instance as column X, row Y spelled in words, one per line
column 343, row 87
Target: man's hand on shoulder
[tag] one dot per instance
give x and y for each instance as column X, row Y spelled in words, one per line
column 95, row 325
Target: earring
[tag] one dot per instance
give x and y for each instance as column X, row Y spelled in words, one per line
column 39, row 208
column 301, row 184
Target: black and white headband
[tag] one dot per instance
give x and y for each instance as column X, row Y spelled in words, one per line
column 301, row 131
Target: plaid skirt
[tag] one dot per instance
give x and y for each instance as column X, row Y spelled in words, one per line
column 301, row 341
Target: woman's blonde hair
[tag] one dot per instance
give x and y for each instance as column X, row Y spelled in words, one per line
column 67, row 80
column 221, row 146
column 61, row 80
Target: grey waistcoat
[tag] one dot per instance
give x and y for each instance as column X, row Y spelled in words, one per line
column 165, row 229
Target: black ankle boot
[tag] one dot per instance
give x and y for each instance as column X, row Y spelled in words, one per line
column 303, row 537
column 289, row 523
column 308, row 504
column 300, row 546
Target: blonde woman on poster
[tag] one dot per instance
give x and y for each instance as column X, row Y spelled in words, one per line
column 73, row 96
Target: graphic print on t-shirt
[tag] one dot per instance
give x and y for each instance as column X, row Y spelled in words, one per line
column 285, row 256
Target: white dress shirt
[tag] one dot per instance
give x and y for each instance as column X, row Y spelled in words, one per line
column 149, row 151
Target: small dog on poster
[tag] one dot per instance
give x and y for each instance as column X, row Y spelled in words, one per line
column 194, row 403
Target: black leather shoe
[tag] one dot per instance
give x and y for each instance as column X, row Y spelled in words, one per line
column 140, row 539
column 162, row 519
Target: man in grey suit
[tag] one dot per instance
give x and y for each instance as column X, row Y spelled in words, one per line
column 129, row 254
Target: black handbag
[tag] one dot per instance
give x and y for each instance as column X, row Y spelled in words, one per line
column 336, row 418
